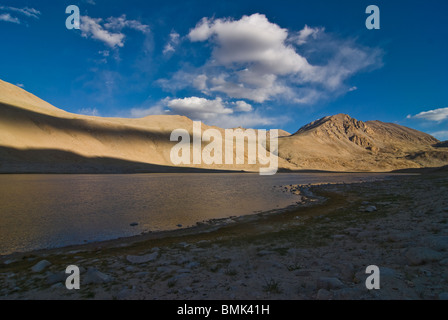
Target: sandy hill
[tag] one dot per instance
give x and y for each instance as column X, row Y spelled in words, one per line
column 38, row 137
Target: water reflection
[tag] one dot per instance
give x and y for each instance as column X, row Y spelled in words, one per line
column 41, row 211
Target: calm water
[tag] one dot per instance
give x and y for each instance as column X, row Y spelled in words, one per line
column 43, row 211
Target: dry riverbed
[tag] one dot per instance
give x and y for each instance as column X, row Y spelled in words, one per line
column 319, row 250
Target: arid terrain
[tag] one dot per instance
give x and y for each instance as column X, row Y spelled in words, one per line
column 36, row 137
column 319, row 250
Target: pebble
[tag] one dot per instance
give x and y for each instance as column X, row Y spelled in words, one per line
column 41, row 266
column 370, row 209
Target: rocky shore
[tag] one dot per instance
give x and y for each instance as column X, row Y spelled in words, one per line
column 319, row 250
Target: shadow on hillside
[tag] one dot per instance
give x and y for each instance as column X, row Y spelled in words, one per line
column 58, row 161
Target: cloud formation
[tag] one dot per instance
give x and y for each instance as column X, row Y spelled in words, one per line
column 119, row 23
column 110, row 32
column 302, row 36
column 91, row 28
column 254, row 54
column 172, row 43
column 8, row 18
column 26, row 12
column 255, row 59
column 212, row 112
column 438, row 115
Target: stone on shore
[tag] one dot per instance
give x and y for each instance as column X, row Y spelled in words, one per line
column 41, row 266
column 94, row 276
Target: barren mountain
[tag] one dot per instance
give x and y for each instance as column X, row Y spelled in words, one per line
column 38, row 137
column 343, row 143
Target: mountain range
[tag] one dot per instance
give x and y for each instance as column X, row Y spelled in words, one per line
column 36, row 137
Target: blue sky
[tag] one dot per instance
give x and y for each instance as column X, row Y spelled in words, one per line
column 262, row 64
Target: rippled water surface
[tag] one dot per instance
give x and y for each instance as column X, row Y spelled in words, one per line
column 43, row 211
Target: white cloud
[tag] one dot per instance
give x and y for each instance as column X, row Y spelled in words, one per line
column 172, row 43
column 251, row 40
column 438, row 115
column 198, row 108
column 20, row 85
column 353, row 89
column 255, row 59
column 28, row 12
column 337, row 60
column 111, row 32
column 119, row 23
column 212, row 112
column 441, row 135
column 91, row 28
column 104, row 53
column 200, row 82
column 243, row 106
column 302, row 36
column 255, row 54
column 8, row 18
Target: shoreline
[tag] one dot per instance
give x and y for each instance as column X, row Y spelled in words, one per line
column 314, row 252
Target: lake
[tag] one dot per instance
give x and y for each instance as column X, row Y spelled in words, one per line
column 46, row 211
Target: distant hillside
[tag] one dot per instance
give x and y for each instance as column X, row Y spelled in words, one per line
column 343, row 143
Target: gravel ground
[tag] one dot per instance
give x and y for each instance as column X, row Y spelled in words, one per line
column 318, row 250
